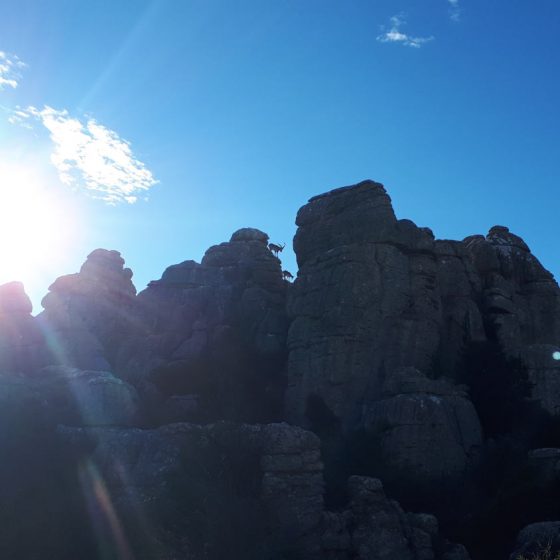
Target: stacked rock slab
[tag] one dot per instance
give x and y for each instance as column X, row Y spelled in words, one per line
column 88, row 314
column 214, row 333
column 375, row 527
column 214, row 478
column 415, row 412
column 521, row 300
column 375, row 295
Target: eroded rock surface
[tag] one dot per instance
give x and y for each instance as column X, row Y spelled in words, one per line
column 373, row 527
column 239, row 491
column 221, row 323
column 88, row 315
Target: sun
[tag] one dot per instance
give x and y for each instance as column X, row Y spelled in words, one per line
column 36, row 226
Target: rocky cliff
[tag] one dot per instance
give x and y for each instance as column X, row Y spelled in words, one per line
column 159, row 418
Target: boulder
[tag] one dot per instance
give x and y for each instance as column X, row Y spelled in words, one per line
column 373, row 527
column 87, row 398
column 427, row 429
column 535, row 538
column 88, row 315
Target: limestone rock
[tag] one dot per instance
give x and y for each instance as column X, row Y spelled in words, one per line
column 427, row 429
column 216, row 330
column 214, row 478
column 87, row 398
column 22, row 346
column 535, row 537
column 88, row 314
column 373, row 527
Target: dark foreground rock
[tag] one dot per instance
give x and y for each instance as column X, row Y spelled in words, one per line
column 537, row 538
column 375, row 527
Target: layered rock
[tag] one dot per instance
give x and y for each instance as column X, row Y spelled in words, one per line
column 536, row 538
column 521, row 299
column 375, row 527
column 87, row 398
column 364, row 302
column 375, row 301
column 377, row 296
column 214, row 333
column 248, row 491
column 417, row 413
column 87, row 315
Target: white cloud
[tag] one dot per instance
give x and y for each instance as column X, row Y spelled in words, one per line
column 395, row 35
column 454, row 10
column 89, row 156
column 10, row 66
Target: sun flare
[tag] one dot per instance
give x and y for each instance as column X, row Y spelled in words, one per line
column 36, row 227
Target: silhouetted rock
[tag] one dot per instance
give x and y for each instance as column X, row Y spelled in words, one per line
column 375, row 527
column 21, row 339
column 88, row 314
column 367, row 348
column 537, row 537
column 218, row 324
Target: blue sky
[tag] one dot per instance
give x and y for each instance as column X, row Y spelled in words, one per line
column 237, row 112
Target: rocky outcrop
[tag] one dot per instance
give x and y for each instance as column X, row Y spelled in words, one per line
column 367, row 348
column 521, row 299
column 368, row 300
column 21, row 341
column 87, row 398
column 221, row 323
column 231, row 489
column 416, row 415
column 374, row 527
column 88, row 314
column 377, row 296
column 534, row 539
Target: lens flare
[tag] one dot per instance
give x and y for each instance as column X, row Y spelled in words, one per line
column 37, row 226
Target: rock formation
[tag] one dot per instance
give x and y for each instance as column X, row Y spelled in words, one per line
column 88, row 314
column 153, row 424
column 221, row 323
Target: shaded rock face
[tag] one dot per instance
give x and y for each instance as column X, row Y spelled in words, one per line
column 87, row 398
column 238, row 491
column 218, row 324
column 415, row 412
column 368, row 301
column 88, row 314
column 241, row 491
column 375, row 527
column 21, row 340
column 535, row 538
column 377, row 296
column 522, row 300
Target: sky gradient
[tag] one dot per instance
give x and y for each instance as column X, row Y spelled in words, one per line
column 160, row 127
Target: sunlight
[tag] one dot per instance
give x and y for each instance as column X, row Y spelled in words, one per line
column 35, row 226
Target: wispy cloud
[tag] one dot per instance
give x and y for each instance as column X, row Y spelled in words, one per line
column 89, row 156
column 10, row 67
column 454, row 10
column 395, row 35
